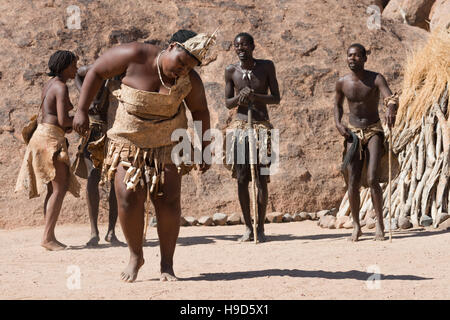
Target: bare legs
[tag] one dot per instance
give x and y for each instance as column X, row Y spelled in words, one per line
column 56, row 190
column 374, row 152
column 93, row 198
column 131, row 217
column 244, row 200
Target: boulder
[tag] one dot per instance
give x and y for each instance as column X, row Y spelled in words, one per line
column 297, row 217
column 322, row 213
column 234, row 219
column 371, row 214
column 324, row 221
column 220, row 219
column 287, row 218
column 440, row 15
column 313, row 216
column 331, row 222
column 404, row 223
column 340, row 221
column 412, row 12
column 275, row 217
column 370, row 223
column 425, row 221
column 362, row 223
column 206, row 221
column 445, row 225
column 348, row 224
column 191, row 221
column 440, row 218
column 305, row 216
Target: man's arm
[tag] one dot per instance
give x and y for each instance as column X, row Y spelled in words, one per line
column 231, row 101
column 339, row 109
column 113, row 62
column 81, row 73
column 391, row 111
column 274, row 96
column 197, row 104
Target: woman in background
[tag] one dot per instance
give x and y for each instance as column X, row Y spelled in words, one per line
column 46, row 160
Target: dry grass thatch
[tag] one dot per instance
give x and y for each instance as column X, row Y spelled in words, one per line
column 426, row 75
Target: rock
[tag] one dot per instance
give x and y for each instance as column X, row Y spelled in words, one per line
column 206, row 221
column 126, row 36
column 445, row 225
column 440, row 15
column 331, row 222
column 220, row 219
column 404, row 223
column 425, row 221
column 370, row 223
column 275, row 217
column 322, row 213
column 324, row 221
column 412, row 12
column 305, row 216
column 287, row 218
column 234, row 219
column 334, row 211
column 191, row 221
column 296, row 217
column 340, row 221
column 183, row 222
column 362, row 223
column 371, row 214
column 313, row 216
column 348, row 224
column 440, row 219
column 394, row 224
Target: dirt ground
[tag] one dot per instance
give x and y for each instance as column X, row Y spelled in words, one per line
column 300, row 261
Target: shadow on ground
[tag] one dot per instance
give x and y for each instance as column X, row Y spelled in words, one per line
column 339, row 275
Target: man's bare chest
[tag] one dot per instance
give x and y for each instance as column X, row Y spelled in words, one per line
column 357, row 91
column 255, row 79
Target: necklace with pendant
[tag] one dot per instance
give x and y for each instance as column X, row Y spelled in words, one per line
column 247, row 73
column 159, row 72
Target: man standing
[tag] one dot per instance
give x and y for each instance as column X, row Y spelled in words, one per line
column 361, row 165
column 98, row 112
column 157, row 87
column 246, row 86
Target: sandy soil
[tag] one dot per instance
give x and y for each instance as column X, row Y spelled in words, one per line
column 301, row 261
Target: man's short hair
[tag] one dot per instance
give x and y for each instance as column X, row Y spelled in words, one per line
column 360, row 47
column 246, row 35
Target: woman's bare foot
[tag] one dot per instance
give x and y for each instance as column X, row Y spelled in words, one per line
column 53, row 245
column 356, row 234
column 167, row 274
column 131, row 271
